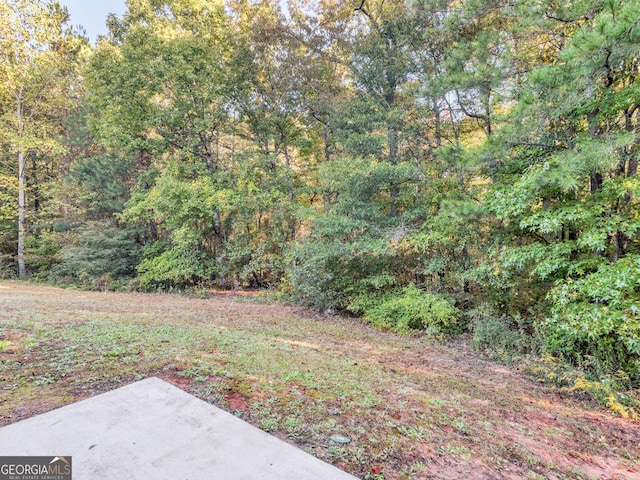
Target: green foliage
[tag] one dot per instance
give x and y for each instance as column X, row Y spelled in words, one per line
column 330, row 275
column 175, row 202
column 484, row 151
column 42, row 252
column 567, row 196
column 594, row 321
column 354, row 249
column 177, row 267
column 611, row 391
column 501, row 336
column 261, row 221
column 181, row 211
column 103, row 182
column 413, row 309
column 98, row 255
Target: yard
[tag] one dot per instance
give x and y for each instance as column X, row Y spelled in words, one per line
column 411, row 407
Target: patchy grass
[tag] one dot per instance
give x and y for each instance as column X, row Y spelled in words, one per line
column 412, row 407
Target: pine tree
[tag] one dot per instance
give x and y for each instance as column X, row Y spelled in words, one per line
column 568, row 190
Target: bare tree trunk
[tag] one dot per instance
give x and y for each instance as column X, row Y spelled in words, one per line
column 22, row 213
column 22, row 192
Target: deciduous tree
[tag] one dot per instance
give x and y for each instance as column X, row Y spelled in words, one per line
column 37, row 74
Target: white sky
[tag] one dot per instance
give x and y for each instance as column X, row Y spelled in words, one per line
column 92, row 14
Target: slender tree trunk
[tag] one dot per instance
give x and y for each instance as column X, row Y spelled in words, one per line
column 212, row 166
column 633, row 166
column 35, row 191
column 487, row 113
column 327, row 144
column 217, row 223
column 22, row 191
column 22, row 213
column 287, row 159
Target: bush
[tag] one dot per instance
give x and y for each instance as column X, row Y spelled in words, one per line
column 100, row 255
column 42, row 251
column 334, row 275
column 501, row 336
column 594, row 321
column 414, row 309
column 168, row 267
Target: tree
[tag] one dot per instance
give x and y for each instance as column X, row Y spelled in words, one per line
column 380, row 187
column 36, row 77
column 161, row 86
column 568, row 189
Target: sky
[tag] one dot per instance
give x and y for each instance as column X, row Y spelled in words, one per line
column 92, row 14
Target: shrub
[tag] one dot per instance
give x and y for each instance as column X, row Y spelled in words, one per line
column 502, row 336
column 333, row 275
column 167, row 267
column 608, row 391
column 413, row 309
column 42, row 251
column 594, row 321
column 98, row 253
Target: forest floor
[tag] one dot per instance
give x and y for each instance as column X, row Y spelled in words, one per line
column 412, row 407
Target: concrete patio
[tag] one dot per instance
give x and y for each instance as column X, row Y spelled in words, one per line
column 153, row 430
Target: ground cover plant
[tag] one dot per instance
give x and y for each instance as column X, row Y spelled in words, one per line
column 413, row 407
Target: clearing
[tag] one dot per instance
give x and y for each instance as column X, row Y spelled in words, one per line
column 411, row 407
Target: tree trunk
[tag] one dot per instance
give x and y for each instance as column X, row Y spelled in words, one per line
column 327, row 144
column 22, row 213
column 287, row 159
column 487, row 114
column 217, row 223
column 596, row 181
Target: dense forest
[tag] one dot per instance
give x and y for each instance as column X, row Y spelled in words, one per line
column 440, row 165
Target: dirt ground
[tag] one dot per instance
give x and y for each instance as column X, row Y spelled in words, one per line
column 411, row 407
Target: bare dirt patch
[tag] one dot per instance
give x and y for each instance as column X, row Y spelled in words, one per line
column 236, row 402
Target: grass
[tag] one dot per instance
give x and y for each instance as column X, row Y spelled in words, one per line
column 412, row 407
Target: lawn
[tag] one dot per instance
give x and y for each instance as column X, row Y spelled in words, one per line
column 412, row 407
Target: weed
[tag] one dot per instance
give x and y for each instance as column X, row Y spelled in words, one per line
column 359, row 456
column 535, row 476
column 329, row 424
column 374, row 476
column 46, row 379
column 335, row 452
column 459, row 425
column 435, row 402
column 269, row 424
column 415, row 433
column 459, row 451
column 191, row 372
column 412, row 472
column 115, row 352
column 292, row 425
